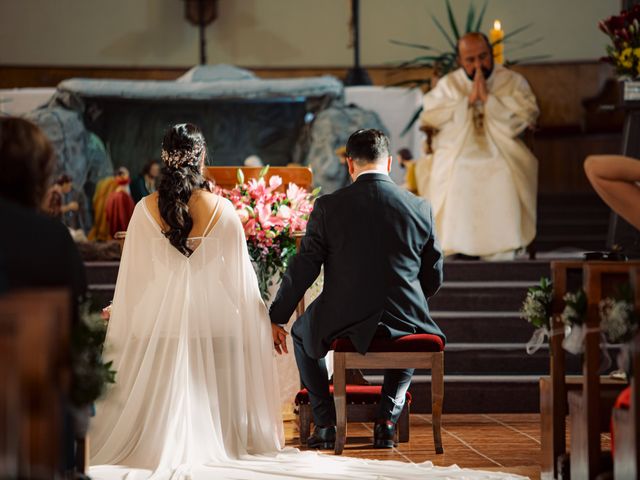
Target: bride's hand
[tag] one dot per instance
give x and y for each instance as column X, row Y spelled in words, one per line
column 279, row 338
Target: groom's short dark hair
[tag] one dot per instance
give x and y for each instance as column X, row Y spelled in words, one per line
column 367, row 146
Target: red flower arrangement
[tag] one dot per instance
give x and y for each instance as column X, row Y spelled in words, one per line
column 624, row 32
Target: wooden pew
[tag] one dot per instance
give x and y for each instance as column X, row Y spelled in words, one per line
column 626, row 422
column 34, row 380
column 226, row 177
column 589, row 409
column 566, row 276
column 553, row 389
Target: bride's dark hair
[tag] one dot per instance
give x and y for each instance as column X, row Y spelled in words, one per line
column 183, row 155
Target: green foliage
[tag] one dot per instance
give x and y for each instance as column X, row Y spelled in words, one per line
column 90, row 374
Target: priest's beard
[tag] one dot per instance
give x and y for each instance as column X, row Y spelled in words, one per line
column 485, row 71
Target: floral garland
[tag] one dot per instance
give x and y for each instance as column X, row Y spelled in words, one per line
column 271, row 221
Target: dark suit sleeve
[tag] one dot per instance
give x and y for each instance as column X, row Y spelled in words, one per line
column 303, row 268
column 432, row 259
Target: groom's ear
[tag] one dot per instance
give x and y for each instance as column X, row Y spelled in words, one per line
column 389, row 162
column 350, row 165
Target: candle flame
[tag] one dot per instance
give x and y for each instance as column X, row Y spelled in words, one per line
column 497, row 25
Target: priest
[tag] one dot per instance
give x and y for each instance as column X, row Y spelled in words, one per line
column 483, row 179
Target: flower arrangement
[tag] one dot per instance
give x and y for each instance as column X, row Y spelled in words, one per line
column 618, row 320
column 624, row 32
column 271, row 220
column 575, row 308
column 91, row 375
column 536, row 308
column 573, row 317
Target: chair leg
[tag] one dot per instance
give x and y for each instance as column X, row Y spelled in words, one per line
column 437, row 395
column 304, row 422
column 340, row 399
column 403, row 424
column 82, row 454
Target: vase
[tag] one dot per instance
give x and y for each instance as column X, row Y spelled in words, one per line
column 631, row 90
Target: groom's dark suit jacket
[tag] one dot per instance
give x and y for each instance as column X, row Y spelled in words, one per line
column 381, row 263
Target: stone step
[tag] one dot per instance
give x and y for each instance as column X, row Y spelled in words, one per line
column 455, row 270
column 478, row 270
column 483, row 327
column 590, row 243
column 477, row 393
column 102, row 272
column 553, row 229
column 453, row 296
column 498, row 359
column 498, row 296
column 507, row 359
column 576, row 200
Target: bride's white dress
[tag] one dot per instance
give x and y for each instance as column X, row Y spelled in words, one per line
column 196, row 394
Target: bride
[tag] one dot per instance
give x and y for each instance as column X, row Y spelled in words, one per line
column 196, row 394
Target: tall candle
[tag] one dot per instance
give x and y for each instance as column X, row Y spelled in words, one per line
column 496, row 37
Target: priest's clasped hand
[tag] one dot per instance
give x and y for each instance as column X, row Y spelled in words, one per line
column 479, row 89
column 279, row 338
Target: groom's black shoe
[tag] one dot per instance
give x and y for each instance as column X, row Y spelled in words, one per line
column 384, row 434
column 323, row 438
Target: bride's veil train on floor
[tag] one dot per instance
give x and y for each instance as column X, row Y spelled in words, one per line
column 196, row 394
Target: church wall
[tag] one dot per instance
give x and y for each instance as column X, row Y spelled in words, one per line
column 43, row 42
column 276, row 33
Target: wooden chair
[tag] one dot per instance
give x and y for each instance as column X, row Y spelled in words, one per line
column 626, row 422
column 34, row 379
column 413, row 351
column 589, row 409
column 227, row 177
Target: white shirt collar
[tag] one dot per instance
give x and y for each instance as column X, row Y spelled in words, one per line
column 372, row 171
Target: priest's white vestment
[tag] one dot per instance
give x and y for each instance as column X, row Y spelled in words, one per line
column 483, row 179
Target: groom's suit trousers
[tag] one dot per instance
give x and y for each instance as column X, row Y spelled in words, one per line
column 314, row 377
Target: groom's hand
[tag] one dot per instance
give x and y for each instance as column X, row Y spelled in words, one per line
column 279, row 338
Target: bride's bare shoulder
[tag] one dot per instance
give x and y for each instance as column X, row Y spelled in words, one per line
column 208, row 198
column 151, row 202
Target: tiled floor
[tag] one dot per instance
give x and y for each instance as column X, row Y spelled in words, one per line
column 503, row 442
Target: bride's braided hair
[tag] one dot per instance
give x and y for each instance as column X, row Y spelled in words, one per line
column 183, row 155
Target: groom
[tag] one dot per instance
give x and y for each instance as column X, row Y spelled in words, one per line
column 381, row 264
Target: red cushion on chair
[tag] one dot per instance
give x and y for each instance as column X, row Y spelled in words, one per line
column 623, row 401
column 369, row 394
column 421, row 342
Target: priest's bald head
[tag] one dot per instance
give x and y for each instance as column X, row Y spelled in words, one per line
column 474, row 51
column 368, row 151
